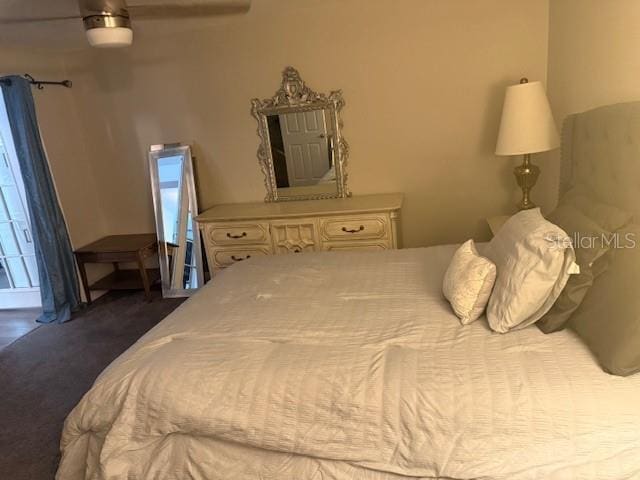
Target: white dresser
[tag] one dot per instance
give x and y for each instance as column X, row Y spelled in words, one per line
column 235, row 232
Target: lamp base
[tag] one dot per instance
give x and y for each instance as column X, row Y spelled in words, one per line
column 526, row 175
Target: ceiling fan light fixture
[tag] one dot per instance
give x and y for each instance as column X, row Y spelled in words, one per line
column 114, row 37
column 106, row 31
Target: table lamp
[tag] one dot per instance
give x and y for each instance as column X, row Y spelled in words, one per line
column 526, row 127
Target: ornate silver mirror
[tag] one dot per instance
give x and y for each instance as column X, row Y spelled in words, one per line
column 174, row 199
column 302, row 152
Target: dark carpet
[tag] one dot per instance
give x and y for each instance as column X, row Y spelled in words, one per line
column 44, row 374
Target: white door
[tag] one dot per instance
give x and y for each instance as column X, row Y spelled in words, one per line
column 305, row 144
column 18, row 268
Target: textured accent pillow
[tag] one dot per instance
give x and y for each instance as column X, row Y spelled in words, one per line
column 608, row 320
column 590, row 242
column 468, row 282
column 533, row 258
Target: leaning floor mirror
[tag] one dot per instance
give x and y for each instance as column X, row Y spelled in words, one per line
column 174, row 199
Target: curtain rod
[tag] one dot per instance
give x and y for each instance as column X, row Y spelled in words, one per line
column 39, row 84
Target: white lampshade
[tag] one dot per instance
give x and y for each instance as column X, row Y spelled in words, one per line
column 527, row 124
column 110, row 37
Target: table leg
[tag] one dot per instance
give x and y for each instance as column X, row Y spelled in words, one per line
column 83, row 278
column 145, row 278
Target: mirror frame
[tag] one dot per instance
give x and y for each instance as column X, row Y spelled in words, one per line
column 294, row 96
column 160, row 151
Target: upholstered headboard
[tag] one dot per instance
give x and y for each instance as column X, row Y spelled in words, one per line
column 601, row 151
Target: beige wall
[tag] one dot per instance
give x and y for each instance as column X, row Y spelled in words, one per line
column 594, row 56
column 423, row 81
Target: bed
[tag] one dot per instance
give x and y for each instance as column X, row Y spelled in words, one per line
column 353, row 366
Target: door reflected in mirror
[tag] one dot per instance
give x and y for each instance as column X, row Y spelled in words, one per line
column 302, row 152
column 176, row 207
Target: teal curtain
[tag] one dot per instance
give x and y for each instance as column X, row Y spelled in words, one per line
column 56, row 265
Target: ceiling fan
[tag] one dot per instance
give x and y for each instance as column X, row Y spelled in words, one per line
column 108, row 22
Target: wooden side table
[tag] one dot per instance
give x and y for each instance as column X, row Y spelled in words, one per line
column 115, row 249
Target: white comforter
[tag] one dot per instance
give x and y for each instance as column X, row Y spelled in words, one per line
column 349, row 366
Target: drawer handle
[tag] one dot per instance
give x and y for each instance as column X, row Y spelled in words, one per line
column 355, row 230
column 230, row 235
column 239, row 259
column 296, row 250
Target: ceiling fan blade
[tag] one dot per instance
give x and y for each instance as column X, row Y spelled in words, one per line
column 21, row 20
column 187, row 8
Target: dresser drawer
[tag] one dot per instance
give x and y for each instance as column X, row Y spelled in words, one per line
column 237, row 233
column 355, row 246
column 223, row 257
column 364, row 227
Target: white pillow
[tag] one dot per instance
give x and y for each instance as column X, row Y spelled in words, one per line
column 468, row 282
column 534, row 258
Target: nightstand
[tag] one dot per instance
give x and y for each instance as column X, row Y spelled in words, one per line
column 496, row 223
